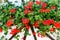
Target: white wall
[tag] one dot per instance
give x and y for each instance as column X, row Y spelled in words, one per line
column 19, row 2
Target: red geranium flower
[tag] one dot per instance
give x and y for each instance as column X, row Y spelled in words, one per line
column 27, row 26
column 26, row 7
column 1, row 29
column 52, row 29
column 38, row 2
column 36, row 24
column 9, row 23
column 53, row 7
column 47, row 10
column 30, row 3
column 30, row 7
column 42, row 10
column 48, row 22
column 57, row 24
column 25, row 12
column 25, row 20
column 44, row 5
column 40, row 35
column 12, row 10
column 14, row 31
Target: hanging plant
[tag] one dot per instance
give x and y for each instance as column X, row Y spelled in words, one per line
column 38, row 14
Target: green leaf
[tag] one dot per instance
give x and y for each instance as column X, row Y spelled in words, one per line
column 31, row 19
column 38, row 17
column 19, row 25
column 44, row 28
column 58, row 13
column 5, row 29
column 1, row 17
column 2, row 38
column 26, row 32
column 54, row 1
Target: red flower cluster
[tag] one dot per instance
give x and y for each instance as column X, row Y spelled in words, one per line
column 40, row 35
column 1, row 29
column 57, row 24
column 36, row 24
column 53, row 7
column 45, row 10
column 12, row 10
column 48, row 22
column 25, row 20
column 44, row 5
column 27, row 26
column 14, row 31
column 52, row 29
column 9, row 23
column 42, row 10
column 28, row 8
column 25, row 11
column 38, row 2
column 30, row 3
